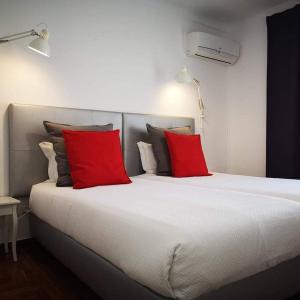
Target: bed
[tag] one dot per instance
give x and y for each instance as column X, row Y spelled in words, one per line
column 116, row 269
column 283, row 188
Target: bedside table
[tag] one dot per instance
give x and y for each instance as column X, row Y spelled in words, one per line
column 8, row 209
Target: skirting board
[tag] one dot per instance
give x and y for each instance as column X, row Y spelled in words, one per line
column 278, row 283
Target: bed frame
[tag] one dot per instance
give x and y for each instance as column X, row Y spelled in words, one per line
column 28, row 166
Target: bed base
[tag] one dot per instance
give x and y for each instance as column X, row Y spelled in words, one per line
column 278, row 283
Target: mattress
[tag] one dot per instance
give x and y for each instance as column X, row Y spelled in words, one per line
column 180, row 241
column 284, row 188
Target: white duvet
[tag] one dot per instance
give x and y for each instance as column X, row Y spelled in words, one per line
column 179, row 240
column 285, row 188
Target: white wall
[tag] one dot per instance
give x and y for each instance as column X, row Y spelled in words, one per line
column 118, row 55
column 113, row 55
column 247, row 96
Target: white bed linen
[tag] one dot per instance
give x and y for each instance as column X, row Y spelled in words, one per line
column 284, row 188
column 181, row 241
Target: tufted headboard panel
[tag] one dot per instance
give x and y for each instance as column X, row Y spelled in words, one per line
column 134, row 130
column 27, row 163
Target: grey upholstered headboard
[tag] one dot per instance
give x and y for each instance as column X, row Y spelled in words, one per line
column 27, row 163
column 134, row 130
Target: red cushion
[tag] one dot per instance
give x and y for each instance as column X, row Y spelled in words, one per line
column 95, row 158
column 187, row 158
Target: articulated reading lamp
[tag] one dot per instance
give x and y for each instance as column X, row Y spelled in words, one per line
column 39, row 45
column 185, row 77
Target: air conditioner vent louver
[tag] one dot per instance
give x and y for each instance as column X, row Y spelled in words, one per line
column 201, row 44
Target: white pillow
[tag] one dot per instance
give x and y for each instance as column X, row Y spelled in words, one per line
column 147, row 157
column 49, row 152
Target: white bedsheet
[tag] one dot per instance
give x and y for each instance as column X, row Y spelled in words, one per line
column 180, row 241
column 284, row 188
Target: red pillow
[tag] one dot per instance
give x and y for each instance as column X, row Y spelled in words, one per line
column 187, row 158
column 95, row 158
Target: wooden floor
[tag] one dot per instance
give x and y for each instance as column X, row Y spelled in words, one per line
column 39, row 276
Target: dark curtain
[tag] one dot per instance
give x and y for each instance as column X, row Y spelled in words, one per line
column 283, row 95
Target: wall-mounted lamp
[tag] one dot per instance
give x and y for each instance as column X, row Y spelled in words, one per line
column 185, row 77
column 39, row 45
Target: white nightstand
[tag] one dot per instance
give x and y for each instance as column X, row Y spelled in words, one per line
column 8, row 209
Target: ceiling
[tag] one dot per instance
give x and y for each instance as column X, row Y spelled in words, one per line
column 228, row 10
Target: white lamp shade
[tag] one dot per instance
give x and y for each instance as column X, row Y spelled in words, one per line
column 184, row 76
column 41, row 46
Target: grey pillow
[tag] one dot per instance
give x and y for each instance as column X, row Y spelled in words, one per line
column 55, row 132
column 160, row 147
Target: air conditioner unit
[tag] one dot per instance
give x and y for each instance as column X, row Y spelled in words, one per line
column 205, row 45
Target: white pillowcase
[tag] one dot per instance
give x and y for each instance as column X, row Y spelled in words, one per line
column 49, row 152
column 147, row 157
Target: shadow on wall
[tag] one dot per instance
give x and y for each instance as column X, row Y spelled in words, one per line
column 4, row 153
